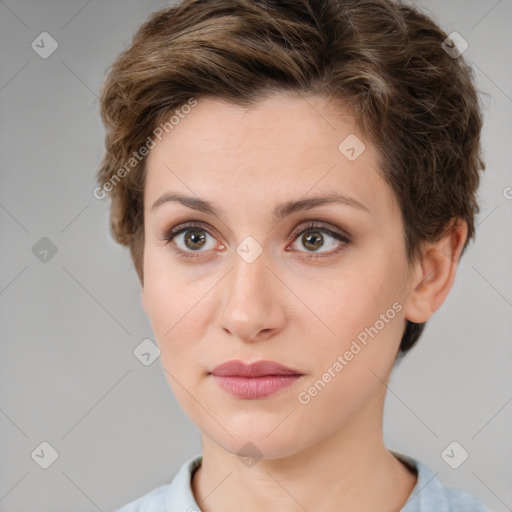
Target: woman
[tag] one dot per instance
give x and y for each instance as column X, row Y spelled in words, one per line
column 296, row 182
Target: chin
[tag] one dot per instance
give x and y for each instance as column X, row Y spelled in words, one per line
column 256, row 440
column 250, row 449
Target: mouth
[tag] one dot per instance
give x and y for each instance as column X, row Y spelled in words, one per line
column 256, row 380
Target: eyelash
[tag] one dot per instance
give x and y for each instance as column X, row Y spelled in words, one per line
column 169, row 235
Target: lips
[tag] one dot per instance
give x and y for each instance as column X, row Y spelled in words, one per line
column 238, row 368
column 254, row 381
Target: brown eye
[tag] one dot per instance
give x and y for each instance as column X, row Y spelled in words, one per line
column 313, row 240
column 314, row 237
column 190, row 239
column 194, row 239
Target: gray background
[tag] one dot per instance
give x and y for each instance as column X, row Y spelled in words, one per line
column 69, row 325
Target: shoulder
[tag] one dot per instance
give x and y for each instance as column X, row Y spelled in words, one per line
column 430, row 495
column 463, row 501
column 176, row 495
column 152, row 501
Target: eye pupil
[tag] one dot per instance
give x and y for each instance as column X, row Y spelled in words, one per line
column 196, row 237
column 309, row 239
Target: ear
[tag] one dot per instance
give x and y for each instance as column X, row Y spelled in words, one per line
column 433, row 276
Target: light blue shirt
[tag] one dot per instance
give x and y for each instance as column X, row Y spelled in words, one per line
column 428, row 495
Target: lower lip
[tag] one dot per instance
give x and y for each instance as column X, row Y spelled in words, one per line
column 255, row 387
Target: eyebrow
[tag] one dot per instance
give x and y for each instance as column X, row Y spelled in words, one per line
column 279, row 212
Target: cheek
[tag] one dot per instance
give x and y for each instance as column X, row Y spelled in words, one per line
column 352, row 299
column 179, row 318
column 362, row 322
column 162, row 297
column 167, row 294
column 350, row 367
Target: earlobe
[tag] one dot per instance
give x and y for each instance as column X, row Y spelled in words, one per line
column 417, row 307
column 434, row 275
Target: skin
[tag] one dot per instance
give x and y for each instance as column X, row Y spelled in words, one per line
column 327, row 454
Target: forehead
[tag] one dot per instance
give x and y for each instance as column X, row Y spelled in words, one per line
column 282, row 147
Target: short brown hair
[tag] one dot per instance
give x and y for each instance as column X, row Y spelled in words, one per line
column 385, row 61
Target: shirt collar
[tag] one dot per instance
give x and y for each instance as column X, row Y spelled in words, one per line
column 426, row 495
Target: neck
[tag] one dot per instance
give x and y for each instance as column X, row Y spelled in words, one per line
column 349, row 470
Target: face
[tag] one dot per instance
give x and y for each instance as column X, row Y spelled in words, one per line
column 317, row 287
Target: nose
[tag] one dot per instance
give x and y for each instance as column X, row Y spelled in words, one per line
column 252, row 308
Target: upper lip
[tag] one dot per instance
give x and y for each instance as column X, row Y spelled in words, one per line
column 257, row 369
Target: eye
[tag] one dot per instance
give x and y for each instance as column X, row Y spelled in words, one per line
column 193, row 237
column 189, row 238
column 313, row 238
